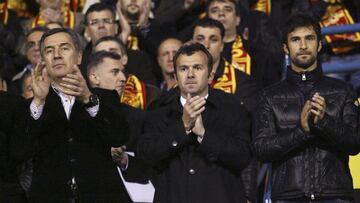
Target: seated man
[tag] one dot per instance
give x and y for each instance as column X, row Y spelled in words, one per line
column 198, row 143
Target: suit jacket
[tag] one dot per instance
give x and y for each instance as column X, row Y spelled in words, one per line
column 10, row 189
column 186, row 171
column 78, row 147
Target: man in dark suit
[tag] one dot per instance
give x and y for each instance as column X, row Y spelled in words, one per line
column 69, row 131
column 198, row 141
column 10, row 189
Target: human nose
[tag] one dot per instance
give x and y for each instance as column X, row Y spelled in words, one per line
column 57, row 53
column 303, row 44
column 190, row 73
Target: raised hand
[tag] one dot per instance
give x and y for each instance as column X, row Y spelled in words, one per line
column 40, row 83
column 124, row 24
column 193, row 108
column 3, row 85
column 74, row 84
column 318, row 107
column 305, row 116
column 144, row 14
column 199, row 128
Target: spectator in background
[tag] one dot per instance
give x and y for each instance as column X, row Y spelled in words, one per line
column 166, row 52
column 136, row 94
column 245, row 41
column 100, row 22
column 211, row 34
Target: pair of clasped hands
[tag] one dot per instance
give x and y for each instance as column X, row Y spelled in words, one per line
column 191, row 117
column 313, row 111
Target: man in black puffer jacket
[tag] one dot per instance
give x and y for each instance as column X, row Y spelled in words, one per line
column 306, row 125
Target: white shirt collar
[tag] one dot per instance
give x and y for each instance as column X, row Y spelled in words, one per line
column 183, row 100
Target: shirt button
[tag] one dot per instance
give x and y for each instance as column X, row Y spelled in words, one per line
column 192, row 171
column 72, row 160
column 70, row 140
column 174, row 143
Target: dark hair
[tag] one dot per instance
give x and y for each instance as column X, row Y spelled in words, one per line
column 112, row 39
column 97, row 7
column 210, row 23
column 97, row 58
column 37, row 29
column 70, row 32
column 298, row 20
column 189, row 49
column 237, row 9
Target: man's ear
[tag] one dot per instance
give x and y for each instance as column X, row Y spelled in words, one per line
column 124, row 59
column 286, row 49
column 94, row 80
column 211, row 77
column 238, row 20
column 319, row 46
column 79, row 57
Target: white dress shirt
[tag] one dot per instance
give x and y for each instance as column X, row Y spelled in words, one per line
column 67, row 102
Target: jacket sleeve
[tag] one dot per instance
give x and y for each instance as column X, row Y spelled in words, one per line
column 160, row 143
column 232, row 151
column 269, row 144
column 342, row 133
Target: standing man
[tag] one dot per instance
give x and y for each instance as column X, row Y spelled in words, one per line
column 198, row 142
column 306, row 125
column 69, row 132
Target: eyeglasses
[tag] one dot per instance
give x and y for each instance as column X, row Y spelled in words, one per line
column 105, row 21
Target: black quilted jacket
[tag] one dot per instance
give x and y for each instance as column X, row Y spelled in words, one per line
column 307, row 165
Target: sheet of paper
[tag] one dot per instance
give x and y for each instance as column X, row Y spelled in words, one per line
column 139, row 193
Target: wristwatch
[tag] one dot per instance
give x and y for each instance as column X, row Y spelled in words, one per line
column 93, row 101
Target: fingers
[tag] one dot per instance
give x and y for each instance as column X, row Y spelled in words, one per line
column 3, row 86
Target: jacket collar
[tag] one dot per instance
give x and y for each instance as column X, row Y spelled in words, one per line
column 302, row 77
column 213, row 100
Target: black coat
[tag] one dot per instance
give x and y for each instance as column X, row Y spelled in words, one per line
column 306, row 165
column 78, row 147
column 10, row 189
column 187, row 171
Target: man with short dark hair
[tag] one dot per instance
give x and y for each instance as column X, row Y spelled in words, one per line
column 197, row 142
column 68, row 132
column 306, row 125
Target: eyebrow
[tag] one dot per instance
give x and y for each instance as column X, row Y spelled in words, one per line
column 61, row 45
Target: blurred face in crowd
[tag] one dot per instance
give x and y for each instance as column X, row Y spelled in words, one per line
column 27, row 91
column 303, row 47
column 225, row 12
column 108, row 75
column 60, row 55
column 33, row 47
column 112, row 46
column 132, row 7
column 167, row 50
column 192, row 74
column 100, row 24
column 54, row 4
column 210, row 37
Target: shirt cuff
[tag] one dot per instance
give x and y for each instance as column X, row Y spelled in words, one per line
column 124, row 168
column 36, row 111
column 199, row 139
column 93, row 111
